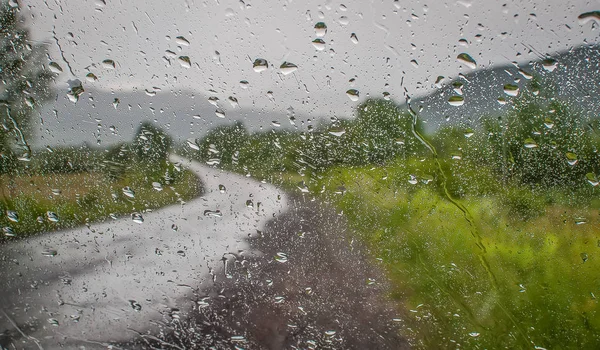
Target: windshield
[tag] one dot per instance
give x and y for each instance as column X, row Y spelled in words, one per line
column 237, row 174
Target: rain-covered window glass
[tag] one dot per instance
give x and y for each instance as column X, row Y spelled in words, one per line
column 331, row 174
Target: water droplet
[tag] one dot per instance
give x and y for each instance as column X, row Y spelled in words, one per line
column 54, row 67
column 414, row 63
column 474, row 334
column 220, row 113
column 467, row 60
column 281, row 257
column 549, row 123
column 157, row 186
column 128, row 192
column 213, row 100
column 213, row 213
column 320, row 29
column 469, row 132
column 53, row 322
column 222, row 188
column 237, row 338
column 12, row 216
column 549, row 64
column 319, row 44
column 181, row 253
column 525, row 74
column 137, row 218
column 91, row 77
column 75, row 90
column 192, row 144
column 413, row 180
column 511, row 89
column 584, row 257
column 182, row 41
column 135, row 305
column 580, row 220
column 52, row 216
column 589, row 16
column 184, row 61
column 116, row 103
column 49, row 252
column 8, row 231
column 530, row 143
column 502, row 101
column 337, row 131
column 233, row 101
column 353, row 95
column 288, row 68
column 456, row 156
column 456, row 101
column 249, row 203
column 592, row 179
column 108, row 64
column 354, row 38
column 244, row 84
column 330, row 333
column 571, row 158
column 260, row 65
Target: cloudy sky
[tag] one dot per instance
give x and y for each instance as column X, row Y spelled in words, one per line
column 399, row 45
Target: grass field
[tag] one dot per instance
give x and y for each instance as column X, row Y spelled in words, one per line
column 485, row 279
column 85, row 197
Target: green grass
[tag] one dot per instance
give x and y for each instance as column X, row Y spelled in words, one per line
column 532, row 281
column 87, row 197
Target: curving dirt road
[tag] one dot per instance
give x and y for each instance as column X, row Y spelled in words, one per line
column 248, row 266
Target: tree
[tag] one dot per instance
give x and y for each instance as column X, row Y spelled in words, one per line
column 24, row 85
column 151, row 144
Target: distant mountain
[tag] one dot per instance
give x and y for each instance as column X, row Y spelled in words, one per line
column 572, row 76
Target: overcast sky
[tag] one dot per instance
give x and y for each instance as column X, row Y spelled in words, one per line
column 226, row 36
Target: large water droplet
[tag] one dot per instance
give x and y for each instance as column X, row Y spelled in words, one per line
column 354, row 38
column 157, row 186
column 353, row 95
column 182, row 41
column 288, row 68
column 128, row 192
column 530, row 143
column 319, row 44
column 281, row 257
column 108, row 64
column 213, row 213
column 12, row 215
column 589, row 16
column 320, row 29
column 571, row 158
column 220, row 113
column 592, row 179
column 8, row 231
column 456, row 101
column 52, row 216
column 260, row 65
column 337, row 131
column 467, row 60
column 511, row 90
column 192, row 144
column 49, row 252
column 184, row 61
column 54, row 67
column 137, row 218
column 91, row 77
column 549, row 64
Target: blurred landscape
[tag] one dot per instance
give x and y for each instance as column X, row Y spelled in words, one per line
column 480, row 199
column 489, row 230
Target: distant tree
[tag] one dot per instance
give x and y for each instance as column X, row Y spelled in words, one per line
column 151, row 144
column 24, row 85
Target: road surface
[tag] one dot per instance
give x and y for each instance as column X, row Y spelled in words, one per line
column 111, row 280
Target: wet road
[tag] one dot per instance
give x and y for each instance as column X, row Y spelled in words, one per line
column 277, row 272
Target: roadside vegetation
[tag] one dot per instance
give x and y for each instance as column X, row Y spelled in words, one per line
column 68, row 187
column 489, row 232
